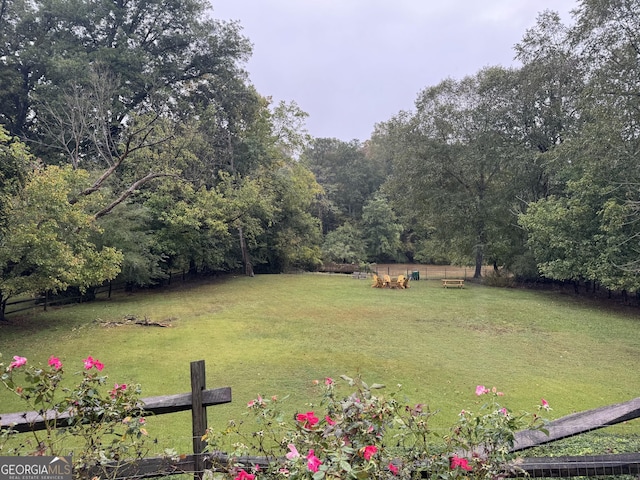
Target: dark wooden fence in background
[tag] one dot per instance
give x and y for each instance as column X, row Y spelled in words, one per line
column 430, row 272
column 198, row 462
column 42, row 302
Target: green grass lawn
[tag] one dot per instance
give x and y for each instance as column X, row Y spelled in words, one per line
column 275, row 334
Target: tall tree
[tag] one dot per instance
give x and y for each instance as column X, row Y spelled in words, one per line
column 46, row 241
column 550, row 83
column 457, row 169
column 345, row 244
column 595, row 213
column 381, row 230
column 294, row 236
column 347, row 175
column 158, row 51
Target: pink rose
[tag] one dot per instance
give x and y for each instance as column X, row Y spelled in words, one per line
column 308, row 420
column 55, row 362
column 17, row 362
column 293, row 452
column 369, row 451
column 481, row 390
column 244, row 476
column 313, row 462
column 460, row 462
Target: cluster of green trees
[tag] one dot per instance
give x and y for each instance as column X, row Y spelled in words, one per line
column 132, row 143
column 534, row 168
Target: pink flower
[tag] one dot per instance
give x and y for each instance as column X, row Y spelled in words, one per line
column 256, row 402
column 328, row 381
column 481, row 390
column 91, row 362
column 329, row 421
column 313, row 462
column 17, row 362
column 393, row 469
column 504, row 412
column 460, row 462
column 244, row 476
column 117, row 388
column 416, row 410
column 293, row 452
column 55, row 362
column 369, row 451
column 308, row 419
column 88, row 362
column 543, row 402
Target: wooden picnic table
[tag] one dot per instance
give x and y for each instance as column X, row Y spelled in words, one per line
column 452, row 282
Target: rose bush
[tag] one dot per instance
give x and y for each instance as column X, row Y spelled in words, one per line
column 95, row 424
column 367, row 435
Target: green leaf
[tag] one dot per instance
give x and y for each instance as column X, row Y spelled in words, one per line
column 344, row 465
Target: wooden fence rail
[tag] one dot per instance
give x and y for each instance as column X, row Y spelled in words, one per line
column 578, row 423
column 197, row 401
column 43, row 302
column 198, row 462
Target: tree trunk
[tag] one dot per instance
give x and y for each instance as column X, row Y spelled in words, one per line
column 3, row 307
column 479, row 260
column 482, row 241
column 246, row 259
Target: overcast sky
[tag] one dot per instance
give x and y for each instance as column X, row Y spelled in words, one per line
column 353, row 63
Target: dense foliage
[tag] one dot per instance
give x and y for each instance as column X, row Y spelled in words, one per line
column 533, row 168
column 102, row 427
column 159, row 155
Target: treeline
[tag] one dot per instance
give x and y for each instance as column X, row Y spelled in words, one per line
column 535, row 169
column 134, row 144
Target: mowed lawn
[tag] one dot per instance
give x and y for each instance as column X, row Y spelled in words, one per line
column 275, row 334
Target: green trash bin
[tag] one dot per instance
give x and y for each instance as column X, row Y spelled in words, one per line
column 415, row 275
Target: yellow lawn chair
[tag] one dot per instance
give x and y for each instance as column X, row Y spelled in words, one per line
column 377, row 282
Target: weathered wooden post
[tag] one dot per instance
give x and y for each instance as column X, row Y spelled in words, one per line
column 198, row 417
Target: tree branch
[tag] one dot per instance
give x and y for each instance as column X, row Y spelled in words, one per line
column 130, row 191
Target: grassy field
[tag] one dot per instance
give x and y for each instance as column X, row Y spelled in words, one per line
column 275, row 334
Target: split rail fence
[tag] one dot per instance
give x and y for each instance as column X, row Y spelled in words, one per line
column 198, row 462
column 43, row 302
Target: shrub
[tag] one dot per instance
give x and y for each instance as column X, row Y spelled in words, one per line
column 367, row 435
column 99, row 425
